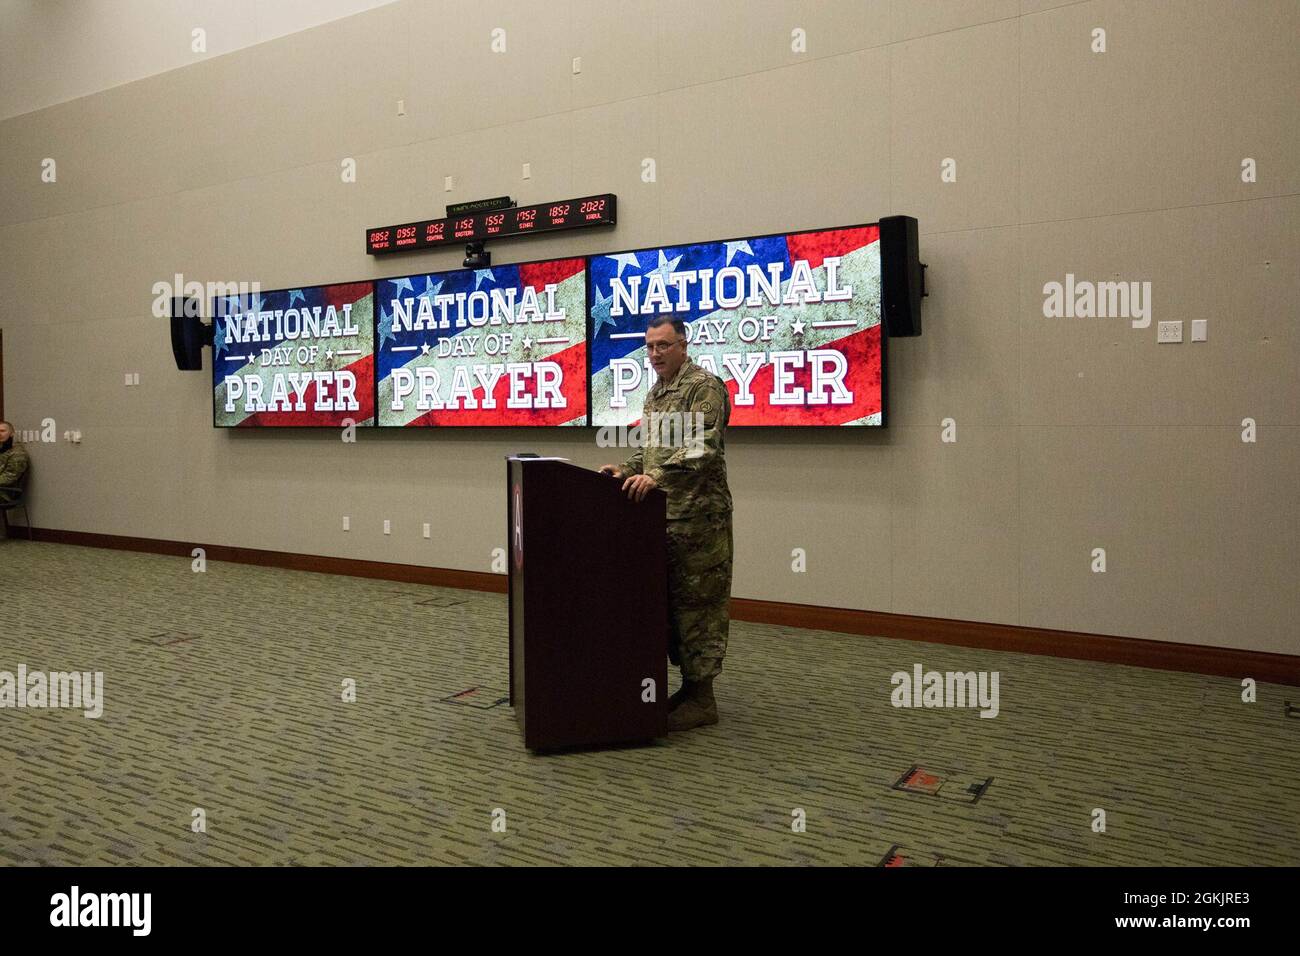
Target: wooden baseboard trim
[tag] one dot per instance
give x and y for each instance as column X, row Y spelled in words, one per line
column 406, row 573
column 1161, row 655
column 1074, row 645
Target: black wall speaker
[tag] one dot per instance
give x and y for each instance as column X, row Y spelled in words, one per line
column 902, row 276
column 189, row 334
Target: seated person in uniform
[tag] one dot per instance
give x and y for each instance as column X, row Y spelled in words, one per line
column 13, row 462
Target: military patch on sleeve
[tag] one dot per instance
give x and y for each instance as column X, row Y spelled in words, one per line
column 706, row 407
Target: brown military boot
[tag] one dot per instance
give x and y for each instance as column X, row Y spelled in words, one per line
column 679, row 696
column 697, row 707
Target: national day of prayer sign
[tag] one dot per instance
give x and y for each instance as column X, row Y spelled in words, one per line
column 295, row 357
column 789, row 322
column 499, row 346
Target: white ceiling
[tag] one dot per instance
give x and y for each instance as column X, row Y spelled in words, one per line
column 52, row 51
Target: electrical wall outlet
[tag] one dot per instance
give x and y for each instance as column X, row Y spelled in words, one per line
column 577, row 65
column 1170, row 332
column 426, row 529
column 401, row 107
column 388, row 526
column 528, row 170
column 447, row 183
column 347, row 523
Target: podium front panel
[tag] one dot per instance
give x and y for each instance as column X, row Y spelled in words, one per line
column 588, row 607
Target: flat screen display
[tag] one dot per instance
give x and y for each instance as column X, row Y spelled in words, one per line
column 789, row 322
column 295, row 357
column 501, row 346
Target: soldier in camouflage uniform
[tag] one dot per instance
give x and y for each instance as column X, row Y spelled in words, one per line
column 683, row 420
column 13, row 463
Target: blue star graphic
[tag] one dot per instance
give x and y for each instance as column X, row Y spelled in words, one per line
column 430, row 290
column 481, row 274
column 398, row 283
column 665, row 267
column 298, row 294
column 600, row 313
column 218, row 337
column 625, row 259
column 385, row 327
column 230, row 305
column 734, row 247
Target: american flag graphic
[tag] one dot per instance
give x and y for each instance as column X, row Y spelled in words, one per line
column 291, row 351
column 738, row 340
column 499, row 346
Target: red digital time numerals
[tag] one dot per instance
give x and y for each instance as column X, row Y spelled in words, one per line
column 493, row 224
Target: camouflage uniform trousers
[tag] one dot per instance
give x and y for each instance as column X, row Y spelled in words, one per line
column 699, row 593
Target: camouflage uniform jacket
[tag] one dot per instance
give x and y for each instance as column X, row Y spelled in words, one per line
column 683, row 451
column 13, row 464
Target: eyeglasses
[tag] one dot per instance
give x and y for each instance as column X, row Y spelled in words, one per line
column 654, row 348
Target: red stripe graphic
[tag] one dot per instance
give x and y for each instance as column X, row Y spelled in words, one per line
column 861, row 351
column 363, row 369
column 573, row 386
column 816, row 246
column 539, row 274
column 341, row 295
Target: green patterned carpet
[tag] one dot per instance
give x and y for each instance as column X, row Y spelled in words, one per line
column 223, row 692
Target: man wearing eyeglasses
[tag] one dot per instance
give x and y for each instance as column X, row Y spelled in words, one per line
column 691, row 403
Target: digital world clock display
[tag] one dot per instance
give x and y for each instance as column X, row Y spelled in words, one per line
column 493, row 224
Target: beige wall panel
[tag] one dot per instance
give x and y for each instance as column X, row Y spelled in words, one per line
column 953, row 97
column 459, row 84
column 1203, row 263
column 775, row 152
column 966, row 364
column 1185, row 91
column 31, row 272
column 1200, row 546
column 128, row 143
column 828, row 494
column 1040, row 6
column 914, row 19
column 27, row 142
column 311, row 98
column 609, row 145
column 954, row 517
column 705, row 42
column 619, row 47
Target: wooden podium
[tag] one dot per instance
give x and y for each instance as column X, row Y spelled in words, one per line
column 588, row 606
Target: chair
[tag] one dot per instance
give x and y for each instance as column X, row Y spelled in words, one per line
column 18, row 501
